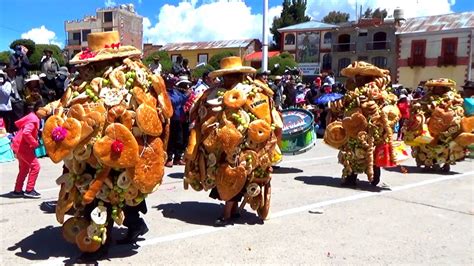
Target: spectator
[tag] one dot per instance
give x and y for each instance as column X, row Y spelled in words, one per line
column 404, row 107
column 17, row 102
column 19, row 61
column 277, row 88
column 49, row 66
column 62, row 81
column 5, row 101
column 178, row 93
column 177, row 68
column 47, row 94
column 329, row 79
column 33, row 90
column 289, row 91
column 204, row 85
column 155, row 66
column 186, row 70
column 24, row 144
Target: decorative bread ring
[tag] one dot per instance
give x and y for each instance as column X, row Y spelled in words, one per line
column 61, row 136
column 114, row 113
column 82, row 153
column 66, row 179
column 131, row 193
column 234, row 98
column 103, row 194
column 256, row 202
column 65, row 202
column 83, row 182
column 72, row 227
column 85, row 243
column 95, row 185
column 211, row 160
column 149, row 168
column 99, row 215
column 124, row 181
column 117, row 78
column 148, row 120
column 229, row 137
column 114, row 197
column 250, row 158
column 78, row 167
column 118, row 148
column 93, row 230
column 253, row 190
column 259, row 131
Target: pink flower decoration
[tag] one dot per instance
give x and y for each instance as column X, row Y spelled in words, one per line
column 86, row 54
column 117, row 146
column 59, row 134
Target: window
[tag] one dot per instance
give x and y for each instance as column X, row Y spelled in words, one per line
column 327, row 37
column 107, row 16
column 327, row 62
column 449, row 47
column 174, row 57
column 76, row 36
column 290, row 39
column 380, row 40
column 363, row 58
column 344, row 41
column 362, row 34
column 84, row 35
column 202, row 58
column 342, row 63
column 107, row 29
column 379, row 61
column 418, row 48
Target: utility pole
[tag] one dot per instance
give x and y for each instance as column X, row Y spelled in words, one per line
column 265, row 37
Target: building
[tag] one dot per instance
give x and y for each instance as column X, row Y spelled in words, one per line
column 435, row 47
column 371, row 40
column 200, row 52
column 149, row 48
column 122, row 18
column 310, row 43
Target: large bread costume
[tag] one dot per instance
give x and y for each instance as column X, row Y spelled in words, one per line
column 232, row 144
column 437, row 129
column 109, row 130
column 368, row 112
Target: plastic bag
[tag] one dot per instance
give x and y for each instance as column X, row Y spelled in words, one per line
column 469, row 106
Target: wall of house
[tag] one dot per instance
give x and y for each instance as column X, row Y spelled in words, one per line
column 411, row 76
column 192, row 55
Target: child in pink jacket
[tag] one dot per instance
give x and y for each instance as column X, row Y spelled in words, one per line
column 24, row 144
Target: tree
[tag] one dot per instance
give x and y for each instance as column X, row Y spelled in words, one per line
column 368, row 13
column 335, row 17
column 293, row 12
column 31, row 45
column 215, row 60
column 278, row 64
column 377, row 13
column 165, row 60
column 5, row 57
column 198, row 71
column 35, row 58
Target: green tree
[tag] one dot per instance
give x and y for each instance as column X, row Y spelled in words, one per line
column 293, row 12
column 368, row 13
column 379, row 13
column 278, row 64
column 165, row 60
column 31, row 45
column 198, row 71
column 215, row 60
column 335, row 17
column 35, row 58
column 5, row 57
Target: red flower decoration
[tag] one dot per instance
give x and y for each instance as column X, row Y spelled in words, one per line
column 113, row 45
column 86, row 54
column 117, row 146
column 59, row 134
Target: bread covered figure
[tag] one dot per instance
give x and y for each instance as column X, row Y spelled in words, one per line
column 363, row 131
column 437, row 129
column 232, row 143
column 110, row 130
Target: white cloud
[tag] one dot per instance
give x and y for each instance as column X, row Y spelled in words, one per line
column 110, row 3
column 210, row 20
column 412, row 8
column 42, row 35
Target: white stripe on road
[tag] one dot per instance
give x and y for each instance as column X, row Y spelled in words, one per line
column 283, row 162
column 208, row 229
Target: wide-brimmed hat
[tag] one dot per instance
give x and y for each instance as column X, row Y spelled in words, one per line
column 441, row 82
column 63, row 71
column 183, row 80
column 361, row 68
column 104, row 46
column 229, row 65
column 33, row 77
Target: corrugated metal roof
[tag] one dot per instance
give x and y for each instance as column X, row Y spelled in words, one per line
column 437, row 23
column 257, row 56
column 309, row 25
column 207, row 45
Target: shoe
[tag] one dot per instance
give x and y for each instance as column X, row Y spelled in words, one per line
column 236, row 215
column 222, row 222
column 32, row 194
column 180, row 162
column 169, row 164
column 17, row 194
column 48, row 206
column 133, row 234
column 86, row 257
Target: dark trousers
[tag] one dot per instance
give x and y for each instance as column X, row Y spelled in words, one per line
column 8, row 120
column 132, row 215
column 176, row 143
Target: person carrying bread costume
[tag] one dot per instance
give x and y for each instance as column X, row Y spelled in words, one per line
column 110, row 129
column 437, row 129
column 364, row 134
column 232, row 143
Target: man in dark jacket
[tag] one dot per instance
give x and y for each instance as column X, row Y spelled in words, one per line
column 19, row 61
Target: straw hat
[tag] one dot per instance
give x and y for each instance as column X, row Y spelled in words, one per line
column 361, row 68
column 441, row 82
column 33, row 77
column 104, row 46
column 335, row 135
column 183, row 79
column 229, row 65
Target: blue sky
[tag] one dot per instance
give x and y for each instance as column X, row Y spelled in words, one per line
column 177, row 20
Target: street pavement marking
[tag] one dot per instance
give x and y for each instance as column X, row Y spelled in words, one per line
column 210, row 229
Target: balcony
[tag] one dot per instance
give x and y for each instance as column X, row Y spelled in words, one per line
column 449, row 60
column 73, row 42
column 417, row 61
column 379, row 45
column 344, row 47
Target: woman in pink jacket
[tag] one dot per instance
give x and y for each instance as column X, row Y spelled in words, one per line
column 24, row 144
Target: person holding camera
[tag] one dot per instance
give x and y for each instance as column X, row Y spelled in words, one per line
column 50, row 67
column 19, row 61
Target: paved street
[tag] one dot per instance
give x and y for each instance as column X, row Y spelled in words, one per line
column 411, row 218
